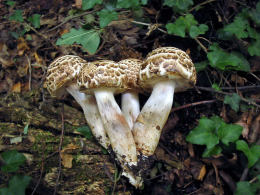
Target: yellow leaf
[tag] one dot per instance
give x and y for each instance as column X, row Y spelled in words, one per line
column 16, row 88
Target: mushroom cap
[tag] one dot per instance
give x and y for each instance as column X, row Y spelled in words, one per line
column 61, row 72
column 132, row 67
column 103, row 74
column 166, row 63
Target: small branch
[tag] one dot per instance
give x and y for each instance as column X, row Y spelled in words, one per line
column 42, row 168
column 71, row 18
column 255, row 76
column 60, row 147
column 250, row 102
column 244, row 88
column 200, row 4
column 193, row 104
column 40, row 34
column 201, row 45
column 30, row 72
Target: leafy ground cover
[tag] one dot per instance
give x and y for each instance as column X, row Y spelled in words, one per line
column 210, row 144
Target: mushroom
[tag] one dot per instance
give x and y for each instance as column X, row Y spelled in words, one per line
column 61, row 78
column 104, row 78
column 129, row 99
column 166, row 70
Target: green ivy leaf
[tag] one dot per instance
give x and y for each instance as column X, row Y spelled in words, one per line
column 238, row 27
column 243, row 187
column 223, row 60
column 201, row 65
column 212, row 151
column 89, row 39
column 185, row 24
column 255, row 14
column 106, row 16
column 86, row 131
column 17, row 16
column 178, row 28
column 197, row 30
column 127, row 3
column 10, row 3
column 89, row 4
column 229, row 133
column 216, row 87
column 233, row 101
column 179, row 5
column 254, row 48
column 12, row 160
column 16, row 186
column 252, row 153
column 204, row 134
column 35, row 20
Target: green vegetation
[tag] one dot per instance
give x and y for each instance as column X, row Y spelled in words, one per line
column 18, row 183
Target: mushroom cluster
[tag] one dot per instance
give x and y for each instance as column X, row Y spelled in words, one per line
column 132, row 133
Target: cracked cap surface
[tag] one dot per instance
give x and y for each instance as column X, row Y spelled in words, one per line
column 61, row 72
column 103, row 74
column 132, row 67
column 166, row 63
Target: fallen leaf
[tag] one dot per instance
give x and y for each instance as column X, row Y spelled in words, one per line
column 78, row 4
column 38, row 59
column 22, row 46
column 16, row 88
column 66, row 160
column 202, row 173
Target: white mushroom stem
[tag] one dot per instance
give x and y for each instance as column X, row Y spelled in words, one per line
column 117, row 128
column 91, row 112
column 153, row 116
column 119, row 133
column 130, row 107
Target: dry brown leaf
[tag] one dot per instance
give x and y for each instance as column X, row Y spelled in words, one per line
column 78, row 4
column 66, row 160
column 22, row 46
column 202, row 173
column 17, row 88
column 5, row 58
column 38, row 59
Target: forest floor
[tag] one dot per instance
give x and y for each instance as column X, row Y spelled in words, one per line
column 42, row 127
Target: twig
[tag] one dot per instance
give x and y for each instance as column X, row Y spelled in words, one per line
column 60, row 146
column 250, row 102
column 147, row 24
column 244, row 88
column 255, row 76
column 193, row 104
column 30, row 72
column 40, row 34
column 42, row 168
column 203, row 38
column 200, row 4
column 201, row 45
column 244, row 174
column 71, row 18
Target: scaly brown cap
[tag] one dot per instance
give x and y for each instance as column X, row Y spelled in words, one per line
column 103, row 74
column 61, row 72
column 166, row 63
column 132, row 68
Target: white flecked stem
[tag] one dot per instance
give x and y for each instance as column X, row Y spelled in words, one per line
column 117, row 128
column 130, row 107
column 91, row 112
column 119, row 133
column 152, row 118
